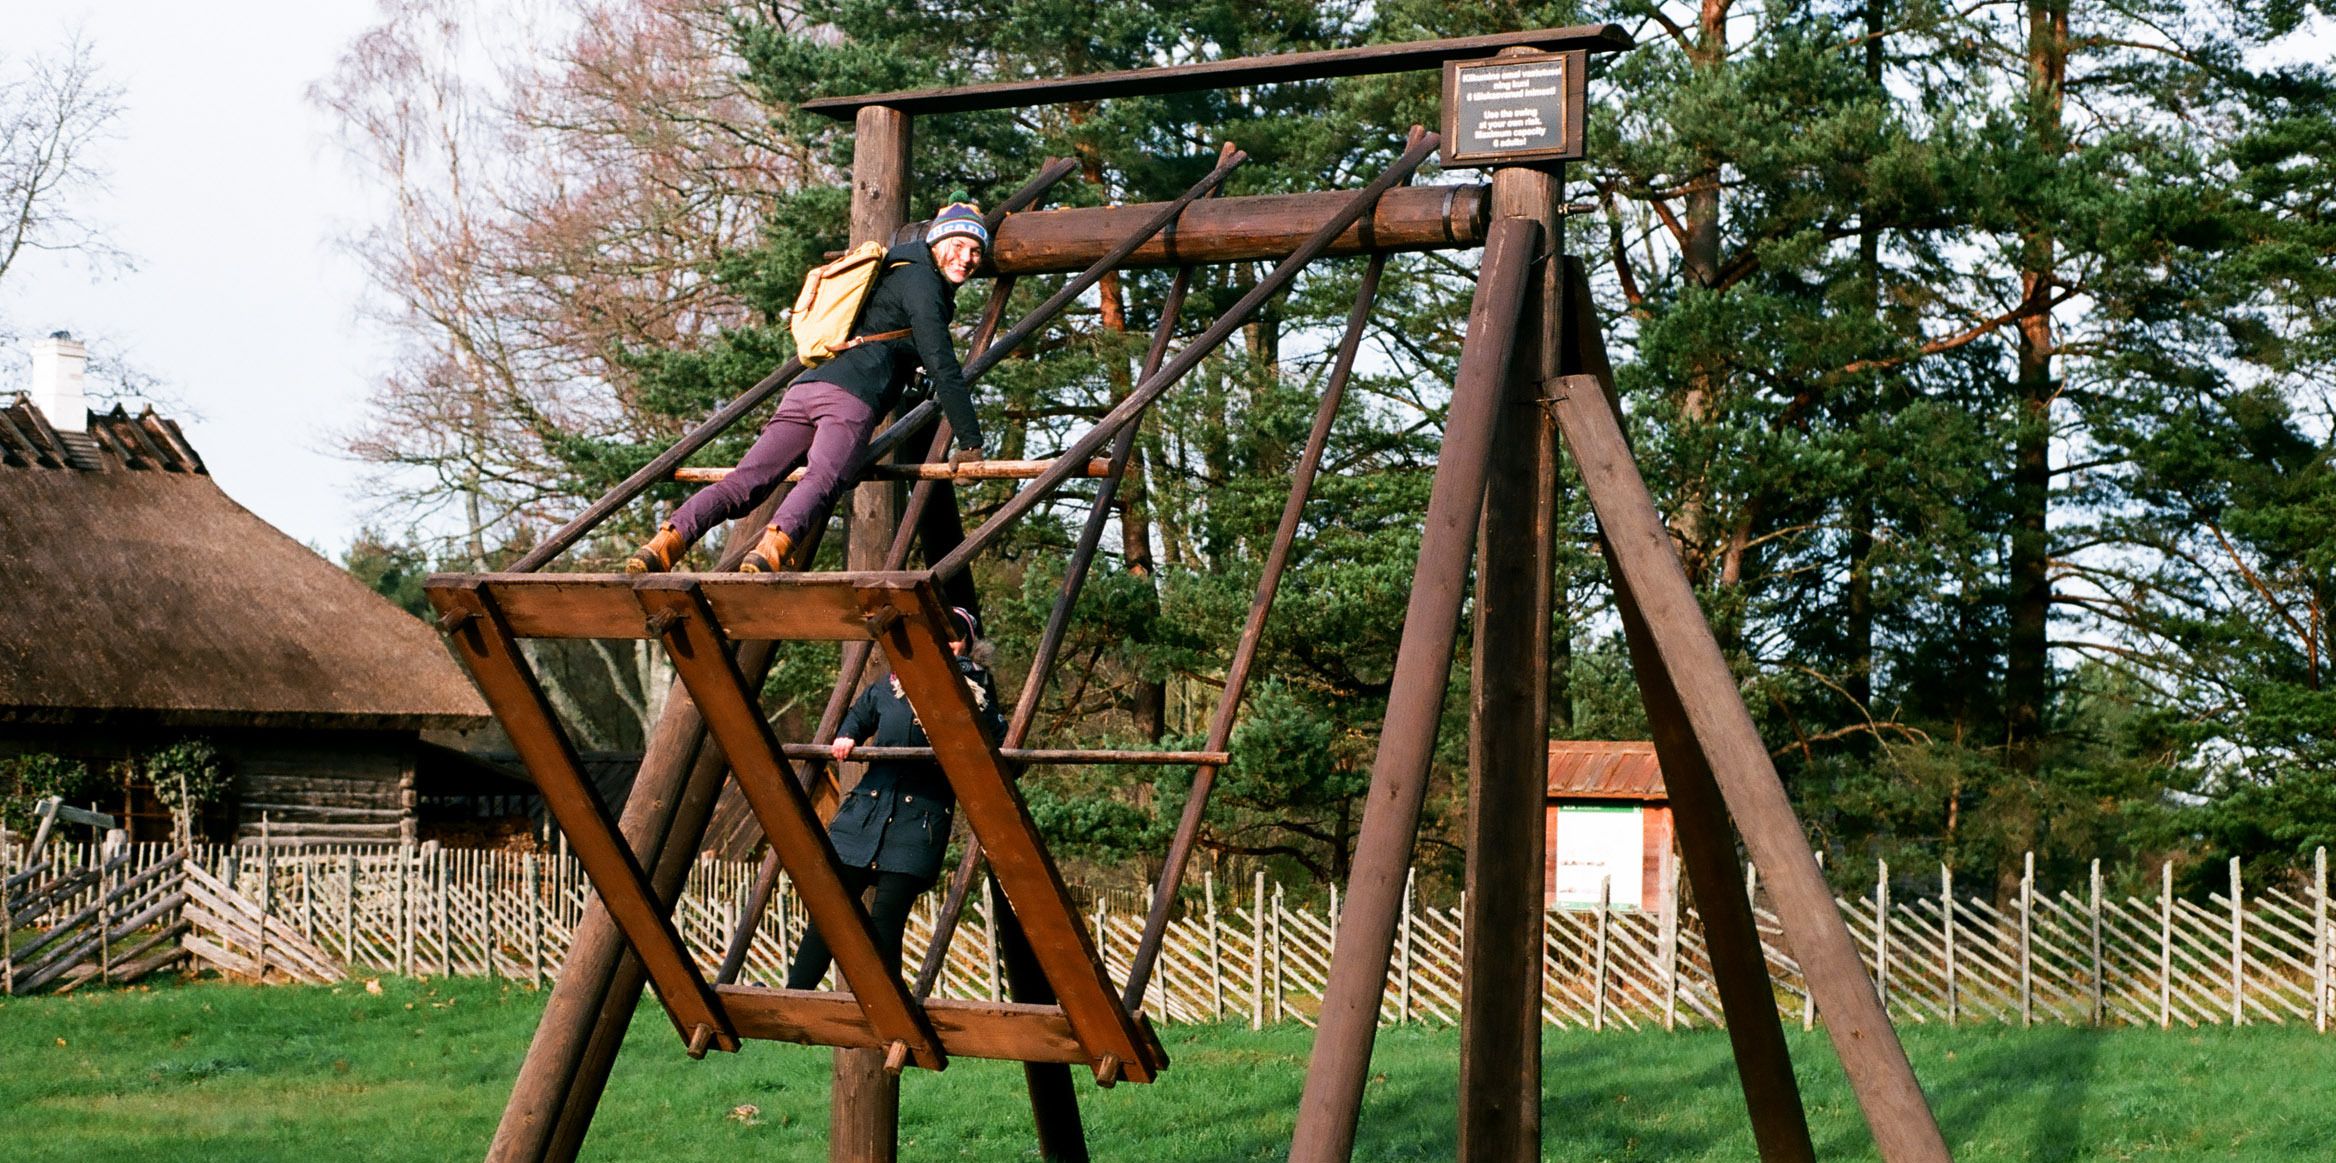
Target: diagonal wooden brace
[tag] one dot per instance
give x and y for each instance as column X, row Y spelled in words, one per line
column 1118, row 1046
column 483, row 639
column 679, row 614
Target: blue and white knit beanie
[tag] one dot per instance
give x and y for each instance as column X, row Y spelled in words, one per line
column 958, row 218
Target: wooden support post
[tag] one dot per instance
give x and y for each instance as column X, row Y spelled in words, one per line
column 1640, row 558
column 1340, row 1062
column 1508, row 754
column 864, row 1105
column 1692, row 687
column 405, row 911
column 8, row 916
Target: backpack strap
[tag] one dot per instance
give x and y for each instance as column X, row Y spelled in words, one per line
column 873, row 337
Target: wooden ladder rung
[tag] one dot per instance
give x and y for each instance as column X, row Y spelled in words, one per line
column 1000, row 1030
column 1031, row 755
column 972, row 470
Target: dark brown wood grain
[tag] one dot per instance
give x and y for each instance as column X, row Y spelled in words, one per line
column 1225, row 74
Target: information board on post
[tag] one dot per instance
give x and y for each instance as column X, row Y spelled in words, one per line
column 1514, row 109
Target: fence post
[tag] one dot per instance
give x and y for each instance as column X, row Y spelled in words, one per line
column 267, row 891
column 2320, row 939
column 532, row 886
column 1670, row 942
column 1947, row 928
column 1882, row 932
column 1257, row 955
column 405, row 915
column 445, row 917
column 1598, row 964
column 989, row 925
column 1808, row 996
column 8, row 916
column 105, row 884
column 1280, row 959
column 307, row 902
column 2100, row 970
column 1208, row 889
column 1402, row 951
column 349, row 908
column 2238, row 952
column 2166, row 945
column 490, row 879
column 2027, row 939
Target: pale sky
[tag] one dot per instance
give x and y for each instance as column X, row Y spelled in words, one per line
column 227, row 191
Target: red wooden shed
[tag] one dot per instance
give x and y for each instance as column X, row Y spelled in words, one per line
column 1609, row 822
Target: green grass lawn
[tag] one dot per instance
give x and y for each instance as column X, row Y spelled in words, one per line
column 419, row 1071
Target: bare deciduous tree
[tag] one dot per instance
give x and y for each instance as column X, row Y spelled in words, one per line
column 55, row 109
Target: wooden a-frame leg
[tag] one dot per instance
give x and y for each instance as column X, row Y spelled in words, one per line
column 1719, row 731
column 985, row 793
column 1340, row 1064
column 485, row 644
column 678, row 612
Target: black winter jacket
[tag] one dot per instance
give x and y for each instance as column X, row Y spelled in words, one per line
column 913, row 296
column 896, row 819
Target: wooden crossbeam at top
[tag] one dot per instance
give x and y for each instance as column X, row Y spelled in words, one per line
column 1226, row 74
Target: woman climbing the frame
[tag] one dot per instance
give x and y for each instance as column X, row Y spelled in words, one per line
column 892, row 828
column 826, row 417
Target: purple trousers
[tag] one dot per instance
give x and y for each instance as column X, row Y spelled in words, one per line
column 825, row 421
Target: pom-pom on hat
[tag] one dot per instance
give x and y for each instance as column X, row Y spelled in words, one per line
column 958, row 218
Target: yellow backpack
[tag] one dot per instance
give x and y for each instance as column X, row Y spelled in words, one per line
column 830, row 303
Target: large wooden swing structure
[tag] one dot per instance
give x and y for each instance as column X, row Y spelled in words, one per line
column 1533, row 370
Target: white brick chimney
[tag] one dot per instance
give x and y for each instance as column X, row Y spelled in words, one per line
column 57, row 365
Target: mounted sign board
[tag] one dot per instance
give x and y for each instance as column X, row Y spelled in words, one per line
column 1599, row 848
column 1514, row 109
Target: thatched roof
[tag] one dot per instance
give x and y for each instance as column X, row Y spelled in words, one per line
column 1598, row 770
column 139, row 593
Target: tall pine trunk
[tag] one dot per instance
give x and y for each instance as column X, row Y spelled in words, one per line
column 2026, row 662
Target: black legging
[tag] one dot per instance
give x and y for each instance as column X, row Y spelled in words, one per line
column 896, row 894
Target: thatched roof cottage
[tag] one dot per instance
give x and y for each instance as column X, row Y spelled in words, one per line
column 146, row 606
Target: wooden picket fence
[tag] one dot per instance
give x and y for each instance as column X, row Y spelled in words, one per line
column 1247, row 953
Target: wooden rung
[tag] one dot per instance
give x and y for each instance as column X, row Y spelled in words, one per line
column 972, row 470
column 999, row 1030
column 1031, row 755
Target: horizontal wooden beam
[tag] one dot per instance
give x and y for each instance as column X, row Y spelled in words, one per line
column 1004, row 1031
column 1031, row 755
column 972, row 470
column 750, row 607
column 1226, row 74
column 1254, row 227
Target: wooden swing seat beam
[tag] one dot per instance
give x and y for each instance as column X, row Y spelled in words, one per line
column 1226, row 74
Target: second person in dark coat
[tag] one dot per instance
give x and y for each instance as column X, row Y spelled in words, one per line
column 892, row 828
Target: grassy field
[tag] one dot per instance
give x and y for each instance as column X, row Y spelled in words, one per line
column 419, row 1070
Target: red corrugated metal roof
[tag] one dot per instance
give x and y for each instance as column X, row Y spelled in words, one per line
column 1600, row 770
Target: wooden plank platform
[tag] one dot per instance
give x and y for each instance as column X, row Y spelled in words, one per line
column 749, row 607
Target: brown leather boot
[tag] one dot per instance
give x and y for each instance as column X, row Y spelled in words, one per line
column 775, row 553
column 659, row 554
